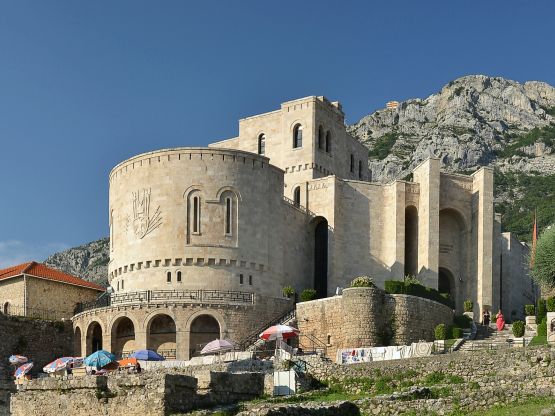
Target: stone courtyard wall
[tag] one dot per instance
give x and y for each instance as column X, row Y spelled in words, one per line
column 366, row 317
column 40, row 341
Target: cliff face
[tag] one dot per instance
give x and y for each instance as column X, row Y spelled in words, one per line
column 473, row 121
column 89, row 261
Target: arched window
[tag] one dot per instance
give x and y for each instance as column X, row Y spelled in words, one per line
column 196, row 214
column 169, row 277
column 297, row 196
column 298, row 136
column 179, row 276
column 352, row 163
column 328, row 142
column 360, row 169
column 262, row 144
column 6, row 308
column 321, row 139
column 228, row 216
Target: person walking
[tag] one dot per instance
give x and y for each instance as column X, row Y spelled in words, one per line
column 500, row 321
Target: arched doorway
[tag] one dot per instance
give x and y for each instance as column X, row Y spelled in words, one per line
column 94, row 338
column 204, row 328
column 446, row 282
column 161, row 336
column 321, row 257
column 77, row 342
column 411, row 241
column 123, row 337
column 6, row 308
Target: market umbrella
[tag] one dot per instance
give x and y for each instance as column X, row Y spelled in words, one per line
column 147, row 355
column 22, row 370
column 279, row 332
column 58, row 365
column 18, row 359
column 99, row 359
column 217, row 346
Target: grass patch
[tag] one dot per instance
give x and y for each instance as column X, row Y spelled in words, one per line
column 538, row 340
column 383, row 145
column 533, row 407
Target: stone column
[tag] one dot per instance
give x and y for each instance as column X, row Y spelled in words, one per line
column 182, row 339
column 393, row 231
column 363, row 320
column 482, row 213
column 140, row 340
column 427, row 175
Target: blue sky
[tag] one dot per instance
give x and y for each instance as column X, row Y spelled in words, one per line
column 86, row 84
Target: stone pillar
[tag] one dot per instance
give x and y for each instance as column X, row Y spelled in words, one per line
column 551, row 328
column 427, row 175
column 140, row 340
column 83, row 352
column 363, row 320
column 182, row 339
column 482, row 218
column 393, row 234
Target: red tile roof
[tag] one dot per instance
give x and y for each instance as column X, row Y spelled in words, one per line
column 42, row 271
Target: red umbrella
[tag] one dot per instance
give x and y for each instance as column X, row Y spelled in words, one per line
column 279, row 332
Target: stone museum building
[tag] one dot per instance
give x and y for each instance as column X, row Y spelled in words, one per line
column 203, row 240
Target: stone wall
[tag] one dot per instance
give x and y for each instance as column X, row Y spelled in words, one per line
column 366, row 317
column 40, row 341
column 6, row 389
column 133, row 395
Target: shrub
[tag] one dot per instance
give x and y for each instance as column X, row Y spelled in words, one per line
column 542, row 310
column 542, row 328
column 395, row 286
column 550, row 304
column 468, row 305
column 456, row 332
column 288, row 291
column 441, row 332
column 518, row 329
column 529, row 310
column 308, row 294
column 363, row 281
column 543, row 270
column 462, row 321
column 400, row 287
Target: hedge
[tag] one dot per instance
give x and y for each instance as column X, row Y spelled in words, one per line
column 441, row 332
column 529, row 310
column 542, row 310
column 456, row 332
column 518, row 329
column 308, row 294
column 550, row 303
column 396, row 287
column 462, row 321
column 542, row 328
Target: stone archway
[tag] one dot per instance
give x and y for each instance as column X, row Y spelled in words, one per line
column 161, row 335
column 77, row 343
column 446, row 282
column 94, row 337
column 204, row 328
column 6, row 308
column 123, row 337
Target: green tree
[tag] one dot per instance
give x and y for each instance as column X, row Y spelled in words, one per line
column 543, row 270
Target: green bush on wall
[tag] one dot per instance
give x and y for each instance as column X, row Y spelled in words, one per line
column 518, row 329
column 363, row 281
column 456, row 332
column 288, row 291
column 462, row 321
column 529, row 310
column 542, row 328
column 550, row 304
column 468, row 305
column 441, row 332
column 396, row 287
column 308, row 294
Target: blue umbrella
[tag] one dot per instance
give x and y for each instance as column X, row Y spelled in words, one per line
column 99, row 359
column 147, row 355
column 22, row 370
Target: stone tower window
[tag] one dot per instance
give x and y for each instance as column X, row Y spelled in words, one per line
column 241, row 279
column 250, row 280
column 321, row 139
column 297, row 196
column 262, row 144
column 196, row 214
column 121, row 284
column 328, row 142
column 118, row 285
column 352, row 163
column 169, row 277
column 228, row 216
column 298, row 136
column 179, row 276
column 360, row 169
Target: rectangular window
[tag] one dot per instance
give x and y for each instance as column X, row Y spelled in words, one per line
column 241, row 279
column 169, row 277
column 228, row 216
column 360, row 169
column 352, row 164
column 250, row 280
column 122, row 285
column 179, row 276
column 196, row 216
column 118, row 286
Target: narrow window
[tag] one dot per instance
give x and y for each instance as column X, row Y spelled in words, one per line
column 228, row 216
column 329, row 339
column 297, row 196
column 169, row 277
column 241, row 279
column 118, row 286
column 262, row 144
column 196, row 216
column 250, row 280
column 360, row 169
column 321, row 138
column 352, row 164
column 328, row 142
column 298, row 136
column 121, row 284
column 179, row 276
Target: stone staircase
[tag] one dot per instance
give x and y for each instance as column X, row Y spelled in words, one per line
column 489, row 338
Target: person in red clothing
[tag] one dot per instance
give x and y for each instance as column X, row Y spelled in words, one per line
column 500, row 321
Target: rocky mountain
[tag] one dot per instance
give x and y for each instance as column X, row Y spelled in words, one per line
column 89, row 261
column 475, row 121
